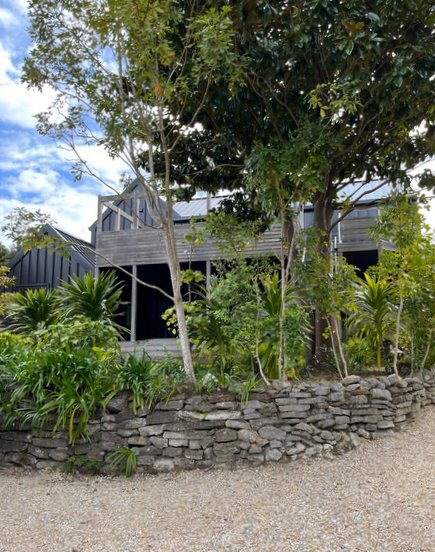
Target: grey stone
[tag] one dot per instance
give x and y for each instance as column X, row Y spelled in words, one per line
column 327, row 435
column 151, row 430
column 297, row 448
column 257, row 424
column 275, row 444
column 137, row 440
column 324, row 424
column 304, row 427
column 224, row 435
column 380, row 394
column 313, row 451
column 127, row 432
column 225, row 405
column 358, row 399
column 178, row 443
column 349, row 380
column 354, row 439
column 12, row 446
column 255, row 449
column 17, row 436
column 161, row 417
column 186, row 434
column 118, row 403
column 223, row 415
column 170, row 405
column 254, row 404
column 158, row 442
column 299, row 415
column 338, row 396
column 237, row 424
column 386, row 424
column 135, row 423
column 294, row 408
column 38, row 452
column 194, row 454
column 342, row 419
column 321, row 390
column 271, row 433
column 48, row 442
column 285, row 401
column 60, row 455
column 226, row 448
column 172, row 452
column 272, row 455
column 22, row 459
column 393, row 379
column 247, row 435
column 163, row 465
column 148, row 450
column 363, row 433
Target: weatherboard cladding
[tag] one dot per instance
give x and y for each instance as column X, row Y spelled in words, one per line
column 43, row 268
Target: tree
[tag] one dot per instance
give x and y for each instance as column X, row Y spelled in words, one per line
column 124, row 72
column 336, row 93
column 410, row 266
column 373, row 317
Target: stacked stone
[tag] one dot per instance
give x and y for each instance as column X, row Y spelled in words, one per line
column 282, row 423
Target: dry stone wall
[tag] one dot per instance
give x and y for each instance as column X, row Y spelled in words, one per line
column 281, row 424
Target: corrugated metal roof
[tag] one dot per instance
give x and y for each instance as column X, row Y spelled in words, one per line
column 196, row 207
column 84, row 248
column 376, row 190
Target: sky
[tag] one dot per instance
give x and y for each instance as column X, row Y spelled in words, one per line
column 33, row 172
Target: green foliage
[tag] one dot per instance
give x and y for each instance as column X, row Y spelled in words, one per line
column 96, row 298
column 373, row 318
column 27, row 229
column 80, row 464
column 149, row 380
column 35, row 309
column 58, row 376
column 125, row 459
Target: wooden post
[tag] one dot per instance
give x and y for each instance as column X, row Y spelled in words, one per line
column 133, row 315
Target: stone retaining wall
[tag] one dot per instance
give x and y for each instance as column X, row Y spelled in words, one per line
column 280, row 424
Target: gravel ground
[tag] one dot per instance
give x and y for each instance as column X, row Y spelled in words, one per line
column 379, row 497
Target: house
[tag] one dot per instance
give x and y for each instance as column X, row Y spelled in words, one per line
column 46, row 268
column 124, row 236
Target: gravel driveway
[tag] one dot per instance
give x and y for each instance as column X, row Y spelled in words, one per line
column 379, row 497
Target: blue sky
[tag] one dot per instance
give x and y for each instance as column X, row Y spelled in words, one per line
column 33, row 171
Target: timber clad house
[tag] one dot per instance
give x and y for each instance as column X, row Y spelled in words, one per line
column 45, row 268
column 124, row 236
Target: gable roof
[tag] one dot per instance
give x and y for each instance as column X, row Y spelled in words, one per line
column 81, row 250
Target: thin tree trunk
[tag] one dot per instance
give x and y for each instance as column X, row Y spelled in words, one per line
column 334, row 352
column 174, row 271
column 426, row 353
column 396, row 337
column 323, row 212
column 340, row 348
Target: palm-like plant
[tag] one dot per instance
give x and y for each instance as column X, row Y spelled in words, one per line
column 34, row 310
column 372, row 319
column 96, row 298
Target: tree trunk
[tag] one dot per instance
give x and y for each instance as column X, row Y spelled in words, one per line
column 396, row 336
column 323, row 212
column 174, row 270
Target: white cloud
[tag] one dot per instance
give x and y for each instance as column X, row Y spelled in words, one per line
column 18, row 105
column 7, row 18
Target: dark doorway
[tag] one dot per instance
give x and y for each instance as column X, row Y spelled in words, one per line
column 151, row 304
column 362, row 259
